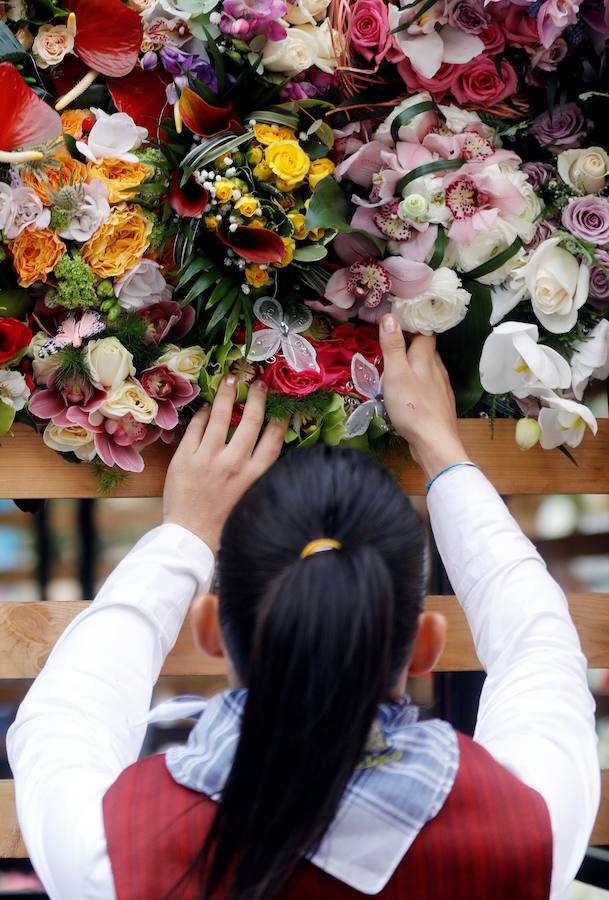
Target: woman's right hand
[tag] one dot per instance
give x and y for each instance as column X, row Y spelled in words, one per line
column 419, row 398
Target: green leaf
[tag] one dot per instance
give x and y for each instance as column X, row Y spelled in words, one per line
column 222, row 308
column 7, row 417
column 310, row 253
column 325, row 134
column 211, row 149
column 329, row 209
column 233, row 319
column 314, row 149
column 193, row 268
column 438, row 165
column 220, row 290
column 439, row 249
column 589, row 94
column 495, row 262
column 217, row 58
column 274, row 116
column 408, row 115
column 201, row 284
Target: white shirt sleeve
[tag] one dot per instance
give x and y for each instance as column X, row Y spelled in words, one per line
column 536, row 712
column 80, row 724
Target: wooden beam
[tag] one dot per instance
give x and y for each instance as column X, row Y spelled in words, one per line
column 29, row 469
column 12, row 846
column 28, row 632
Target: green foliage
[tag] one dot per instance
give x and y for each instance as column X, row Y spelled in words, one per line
column 75, row 283
column 329, row 209
column 59, row 220
column 71, row 367
column 108, row 479
column 131, row 331
column 280, row 406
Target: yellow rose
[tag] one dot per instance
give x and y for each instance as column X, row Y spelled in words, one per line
column 268, row 134
column 254, row 155
column 120, row 243
column 247, row 205
column 186, row 362
column 256, row 276
column 130, row 398
column 289, row 245
column 211, row 223
column 320, row 169
column 258, row 222
column 71, row 439
column 118, row 176
column 298, row 224
column 108, row 362
column 288, row 162
column 224, row 189
column 36, row 252
column 263, row 172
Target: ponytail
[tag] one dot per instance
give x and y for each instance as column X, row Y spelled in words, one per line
column 319, row 668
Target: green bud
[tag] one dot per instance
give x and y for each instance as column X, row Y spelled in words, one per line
column 528, row 432
column 107, row 305
column 105, row 288
column 236, row 57
column 114, row 313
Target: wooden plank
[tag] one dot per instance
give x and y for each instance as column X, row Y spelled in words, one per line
column 29, row 469
column 12, row 846
column 28, row 632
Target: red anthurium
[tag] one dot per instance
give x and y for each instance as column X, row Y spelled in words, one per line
column 25, row 119
column 142, row 96
column 188, row 200
column 257, row 245
column 108, row 35
column 206, row 120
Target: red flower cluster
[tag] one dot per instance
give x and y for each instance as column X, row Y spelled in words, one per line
column 14, row 337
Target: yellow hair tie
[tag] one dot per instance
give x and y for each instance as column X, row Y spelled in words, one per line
column 320, row 546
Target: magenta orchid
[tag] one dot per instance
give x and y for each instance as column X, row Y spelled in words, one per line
column 171, row 393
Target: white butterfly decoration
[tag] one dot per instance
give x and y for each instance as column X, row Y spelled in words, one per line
column 366, row 381
column 72, row 332
column 283, row 330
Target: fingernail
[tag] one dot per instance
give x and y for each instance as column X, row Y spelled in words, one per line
column 231, row 380
column 389, row 324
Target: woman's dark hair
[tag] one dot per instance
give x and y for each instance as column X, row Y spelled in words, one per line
column 318, row 642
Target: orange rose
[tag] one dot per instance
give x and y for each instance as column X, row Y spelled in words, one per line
column 47, row 180
column 119, row 176
column 36, row 252
column 120, row 243
column 71, row 121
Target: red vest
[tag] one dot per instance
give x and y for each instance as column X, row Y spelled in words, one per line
column 490, row 841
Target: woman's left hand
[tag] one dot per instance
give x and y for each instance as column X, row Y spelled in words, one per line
column 207, row 476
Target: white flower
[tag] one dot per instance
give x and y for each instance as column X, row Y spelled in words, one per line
column 528, row 432
column 71, row 439
column 113, row 137
column 43, row 366
column 525, row 222
column 129, row 398
column 564, row 422
column 13, row 389
column 512, row 361
column 327, row 45
column 174, row 8
column 142, row 286
column 25, row 209
column 429, row 187
column 557, row 284
column 92, row 212
column 432, row 46
column 591, row 358
column 585, row 170
column 486, row 245
column 425, row 119
column 442, row 306
column 6, row 202
column 186, row 362
column 458, row 120
column 306, row 12
column 414, row 207
column 291, row 56
column 51, row 44
column 108, row 362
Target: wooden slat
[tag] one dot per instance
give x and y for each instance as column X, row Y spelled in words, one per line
column 28, row 632
column 29, row 469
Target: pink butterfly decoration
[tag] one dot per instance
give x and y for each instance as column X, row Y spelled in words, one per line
column 72, row 332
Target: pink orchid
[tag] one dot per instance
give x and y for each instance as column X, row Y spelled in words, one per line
column 171, row 393
column 475, row 200
column 554, row 16
column 118, row 441
column 59, row 403
column 416, row 240
column 362, row 165
column 167, row 317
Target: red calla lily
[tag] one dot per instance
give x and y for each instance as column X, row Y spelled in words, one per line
column 257, row 245
column 142, row 96
column 108, row 35
column 187, row 200
column 205, row 120
column 25, row 119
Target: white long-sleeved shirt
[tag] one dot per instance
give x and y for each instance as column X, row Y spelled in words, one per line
column 81, row 722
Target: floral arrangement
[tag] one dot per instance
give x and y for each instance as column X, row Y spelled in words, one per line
column 189, row 189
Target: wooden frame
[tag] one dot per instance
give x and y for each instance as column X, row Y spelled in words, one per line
column 29, row 469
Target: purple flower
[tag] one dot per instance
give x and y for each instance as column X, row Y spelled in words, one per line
column 467, row 15
column 554, row 16
column 588, row 218
column 546, row 60
column 543, row 231
column 563, row 129
column 180, row 65
column 539, row 173
column 149, row 61
column 245, row 19
column 599, row 279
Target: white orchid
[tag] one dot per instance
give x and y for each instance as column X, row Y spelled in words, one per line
column 591, row 358
column 14, row 391
column 513, row 361
column 113, row 137
column 563, row 421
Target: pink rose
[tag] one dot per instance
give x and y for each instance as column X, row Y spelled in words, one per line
column 438, row 86
column 520, row 28
column 282, row 379
column 481, row 84
column 493, row 38
column 370, row 32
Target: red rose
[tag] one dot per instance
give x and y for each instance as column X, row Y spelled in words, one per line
column 335, row 354
column 520, row 28
column 493, row 38
column 14, row 336
column 438, row 86
column 479, row 82
column 282, row 379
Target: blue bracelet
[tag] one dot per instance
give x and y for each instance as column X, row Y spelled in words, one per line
column 448, row 469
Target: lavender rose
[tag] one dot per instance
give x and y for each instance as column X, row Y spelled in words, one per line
column 467, row 15
column 588, row 218
column 563, row 129
column 599, row 279
column 543, row 231
column 539, row 173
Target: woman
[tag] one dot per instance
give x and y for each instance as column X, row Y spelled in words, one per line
column 312, row 778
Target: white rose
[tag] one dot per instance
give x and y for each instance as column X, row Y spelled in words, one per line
column 6, row 203
column 43, row 366
column 302, row 12
column 486, row 245
column 92, row 212
column 113, row 136
column 584, row 170
column 186, row 362
column 141, row 286
column 590, row 358
column 414, row 207
column 51, row 45
column 458, row 120
column 71, row 439
column 130, row 398
column 16, row 10
column 13, row 389
column 557, row 284
column 327, row 43
column 564, row 422
column 291, row 56
column 442, row 306
column 108, row 362
column 26, row 209
column 513, row 362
